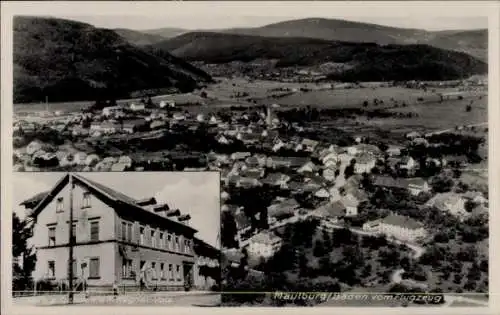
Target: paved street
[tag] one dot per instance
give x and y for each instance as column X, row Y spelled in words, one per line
column 201, row 299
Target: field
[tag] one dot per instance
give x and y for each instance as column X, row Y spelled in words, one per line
column 428, row 114
column 348, row 98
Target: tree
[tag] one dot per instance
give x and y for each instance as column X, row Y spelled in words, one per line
column 468, row 108
column 349, row 171
column 469, row 205
column 21, row 232
column 457, row 278
column 327, row 242
column 441, row 183
column 319, row 249
column 229, row 230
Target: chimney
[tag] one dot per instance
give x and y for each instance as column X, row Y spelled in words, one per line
column 185, row 218
column 173, row 213
column 161, row 209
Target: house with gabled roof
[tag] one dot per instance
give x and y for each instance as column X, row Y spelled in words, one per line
column 364, row 163
column 116, row 238
column 265, row 244
column 330, row 215
column 276, row 179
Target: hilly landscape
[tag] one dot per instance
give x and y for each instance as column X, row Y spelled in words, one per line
column 355, row 61
column 473, row 42
column 68, row 60
column 138, row 38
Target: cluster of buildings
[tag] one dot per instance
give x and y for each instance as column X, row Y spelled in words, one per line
column 318, row 173
column 307, row 168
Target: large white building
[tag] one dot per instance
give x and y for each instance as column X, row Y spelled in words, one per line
column 397, row 226
column 264, row 244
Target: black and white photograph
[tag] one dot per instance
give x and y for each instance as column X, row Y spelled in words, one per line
column 136, row 237
column 251, row 154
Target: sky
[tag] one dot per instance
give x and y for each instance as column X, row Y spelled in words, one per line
column 194, row 193
column 194, row 15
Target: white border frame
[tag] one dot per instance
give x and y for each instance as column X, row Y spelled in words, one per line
column 355, row 8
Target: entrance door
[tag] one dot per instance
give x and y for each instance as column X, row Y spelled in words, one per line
column 188, row 275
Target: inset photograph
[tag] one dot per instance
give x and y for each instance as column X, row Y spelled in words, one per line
column 98, row 238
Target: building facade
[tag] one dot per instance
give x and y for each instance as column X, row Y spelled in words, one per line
column 264, row 245
column 399, row 227
column 116, row 239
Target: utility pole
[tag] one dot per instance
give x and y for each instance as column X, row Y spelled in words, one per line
column 71, row 238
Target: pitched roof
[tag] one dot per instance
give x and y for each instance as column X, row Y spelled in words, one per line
column 387, row 181
column 35, row 199
column 350, row 201
column 105, row 191
column 442, row 199
column 267, row 238
column 331, row 209
column 367, row 147
column 309, row 142
column 233, row 255
column 134, row 122
column 273, row 178
column 402, row 221
column 287, row 206
column 118, row 167
column 416, row 181
column 251, row 173
column 242, row 221
column 365, row 158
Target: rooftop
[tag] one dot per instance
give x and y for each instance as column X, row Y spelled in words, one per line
column 267, row 238
column 402, row 221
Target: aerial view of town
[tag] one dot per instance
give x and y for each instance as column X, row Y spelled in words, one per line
column 353, row 156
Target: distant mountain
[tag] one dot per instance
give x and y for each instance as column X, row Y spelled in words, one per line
column 67, row 60
column 167, row 32
column 473, row 42
column 360, row 61
column 333, row 29
column 138, row 38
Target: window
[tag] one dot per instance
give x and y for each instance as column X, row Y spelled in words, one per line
column 169, row 241
column 60, row 204
column 94, row 231
column 162, row 270
column 153, row 238
column 94, row 268
column 187, row 246
column 178, row 272
column 142, row 265
column 153, row 267
column 73, row 232
column 126, row 268
column 129, row 232
column 86, row 200
column 124, row 231
column 162, row 241
column 170, row 272
column 52, row 236
column 142, row 235
column 52, row 268
column 176, row 243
